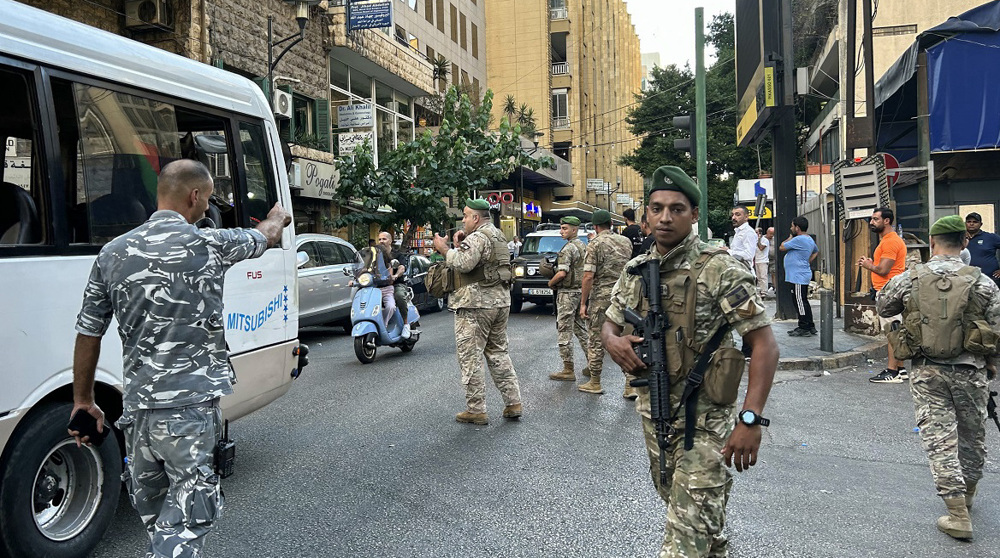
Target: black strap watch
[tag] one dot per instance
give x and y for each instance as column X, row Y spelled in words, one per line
column 750, row 418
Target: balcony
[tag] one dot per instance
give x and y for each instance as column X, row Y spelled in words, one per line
column 560, row 122
column 560, row 68
column 559, row 13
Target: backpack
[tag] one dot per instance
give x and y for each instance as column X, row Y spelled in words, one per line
column 440, row 280
column 939, row 322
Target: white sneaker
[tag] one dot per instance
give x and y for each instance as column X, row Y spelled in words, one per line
column 406, row 331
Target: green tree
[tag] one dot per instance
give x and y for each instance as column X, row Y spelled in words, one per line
column 415, row 178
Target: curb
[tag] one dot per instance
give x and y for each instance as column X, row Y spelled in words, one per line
column 857, row 357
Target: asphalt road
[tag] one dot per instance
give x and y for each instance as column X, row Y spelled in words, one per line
column 367, row 460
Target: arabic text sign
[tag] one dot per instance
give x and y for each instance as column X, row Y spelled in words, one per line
column 349, row 140
column 355, row 116
column 595, row 184
column 370, row 15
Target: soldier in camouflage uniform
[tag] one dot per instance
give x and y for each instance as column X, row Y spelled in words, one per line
column 950, row 394
column 163, row 282
column 607, row 254
column 482, row 302
column 568, row 279
column 698, row 480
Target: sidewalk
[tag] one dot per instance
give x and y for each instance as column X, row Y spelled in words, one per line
column 803, row 353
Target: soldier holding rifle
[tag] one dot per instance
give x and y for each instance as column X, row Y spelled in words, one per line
column 689, row 371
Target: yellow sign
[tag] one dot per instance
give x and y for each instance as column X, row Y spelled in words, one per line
column 769, row 100
column 767, row 213
column 746, row 121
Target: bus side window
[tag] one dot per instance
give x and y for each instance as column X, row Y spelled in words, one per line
column 261, row 190
column 203, row 138
column 22, row 207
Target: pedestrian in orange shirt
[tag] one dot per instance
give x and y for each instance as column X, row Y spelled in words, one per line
column 889, row 261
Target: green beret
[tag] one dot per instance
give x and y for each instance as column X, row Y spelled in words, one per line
column 949, row 224
column 573, row 221
column 480, row 204
column 601, row 217
column 673, row 179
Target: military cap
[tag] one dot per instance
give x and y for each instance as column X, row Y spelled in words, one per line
column 673, row 179
column 570, row 220
column 949, row 224
column 479, row 204
column 601, row 217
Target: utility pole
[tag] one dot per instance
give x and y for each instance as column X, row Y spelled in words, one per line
column 783, row 156
column 701, row 125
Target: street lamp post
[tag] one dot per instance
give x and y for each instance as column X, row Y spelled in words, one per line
column 520, row 187
column 302, row 18
column 618, row 186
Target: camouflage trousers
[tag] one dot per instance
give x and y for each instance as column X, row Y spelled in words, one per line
column 950, row 403
column 482, row 332
column 697, row 487
column 170, row 475
column 596, row 310
column 569, row 323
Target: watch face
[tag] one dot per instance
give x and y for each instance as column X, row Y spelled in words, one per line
column 748, row 417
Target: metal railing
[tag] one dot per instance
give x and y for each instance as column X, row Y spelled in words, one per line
column 560, row 122
column 558, row 13
column 560, row 68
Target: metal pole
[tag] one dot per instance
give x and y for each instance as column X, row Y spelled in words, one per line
column 783, row 156
column 701, row 126
column 826, row 320
column 520, row 210
column 931, row 196
column 270, row 60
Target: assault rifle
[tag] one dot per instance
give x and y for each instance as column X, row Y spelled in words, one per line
column 653, row 352
column 991, row 409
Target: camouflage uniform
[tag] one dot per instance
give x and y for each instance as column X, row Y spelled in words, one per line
column 481, row 323
column 607, row 254
column 568, row 320
column 163, row 282
column 699, row 489
column 949, row 395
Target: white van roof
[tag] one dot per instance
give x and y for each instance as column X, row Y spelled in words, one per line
column 38, row 36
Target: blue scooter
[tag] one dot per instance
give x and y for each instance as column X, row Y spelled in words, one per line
column 368, row 327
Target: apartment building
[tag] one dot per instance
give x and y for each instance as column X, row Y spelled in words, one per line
column 577, row 65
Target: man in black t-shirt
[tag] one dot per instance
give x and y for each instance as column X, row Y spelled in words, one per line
column 647, row 242
column 632, row 231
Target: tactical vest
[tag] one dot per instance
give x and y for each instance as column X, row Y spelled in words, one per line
column 574, row 277
column 678, row 299
column 941, row 319
column 495, row 267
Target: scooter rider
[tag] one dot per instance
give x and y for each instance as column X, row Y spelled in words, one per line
column 400, row 292
column 376, row 260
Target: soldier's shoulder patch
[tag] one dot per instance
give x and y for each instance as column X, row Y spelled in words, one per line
column 737, row 296
column 464, row 245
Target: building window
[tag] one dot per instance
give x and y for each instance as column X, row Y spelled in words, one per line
column 454, row 73
column 461, row 30
column 339, row 75
column 475, row 41
column 440, row 15
column 414, row 41
column 454, row 24
column 465, row 77
column 429, row 11
column 430, row 53
column 560, row 109
column 894, row 30
column 475, row 87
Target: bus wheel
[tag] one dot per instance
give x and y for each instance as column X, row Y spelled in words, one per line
column 56, row 499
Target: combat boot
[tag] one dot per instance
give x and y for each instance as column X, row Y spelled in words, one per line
column 512, row 411
column 471, row 418
column 957, row 523
column 592, row 386
column 970, row 492
column 565, row 375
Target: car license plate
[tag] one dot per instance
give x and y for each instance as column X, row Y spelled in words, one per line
column 540, row 292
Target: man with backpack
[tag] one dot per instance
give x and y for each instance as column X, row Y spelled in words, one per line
column 950, row 326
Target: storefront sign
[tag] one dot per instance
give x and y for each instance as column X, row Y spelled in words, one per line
column 349, row 140
column 355, row 116
column 370, row 15
column 595, row 184
column 317, row 180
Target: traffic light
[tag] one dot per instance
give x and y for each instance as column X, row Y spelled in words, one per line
column 686, row 122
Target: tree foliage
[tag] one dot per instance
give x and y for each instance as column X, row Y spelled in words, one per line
column 412, row 182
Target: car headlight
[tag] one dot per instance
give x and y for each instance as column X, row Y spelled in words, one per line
column 519, row 271
column 365, row 280
column 531, row 271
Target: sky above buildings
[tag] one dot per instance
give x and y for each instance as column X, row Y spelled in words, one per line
column 667, row 26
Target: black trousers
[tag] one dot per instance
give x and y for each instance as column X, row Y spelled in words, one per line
column 802, row 307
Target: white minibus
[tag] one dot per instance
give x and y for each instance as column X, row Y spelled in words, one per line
column 87, row 119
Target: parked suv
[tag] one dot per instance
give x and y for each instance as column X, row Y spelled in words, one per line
column 529, row 286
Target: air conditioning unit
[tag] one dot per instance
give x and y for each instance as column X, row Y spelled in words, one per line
column 148, row 14
column 282, row 104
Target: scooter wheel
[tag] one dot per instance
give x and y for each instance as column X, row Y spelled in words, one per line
column 364, row 348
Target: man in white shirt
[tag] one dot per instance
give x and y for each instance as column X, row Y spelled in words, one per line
column 514, row 246
column 760, row 261
column 743, row 245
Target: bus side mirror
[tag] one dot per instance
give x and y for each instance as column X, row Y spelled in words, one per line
column 301, row 259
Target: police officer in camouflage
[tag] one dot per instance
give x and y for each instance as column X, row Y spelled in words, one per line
column 481, row 300
column 607, row 254
column 568, row 279
column 703, row 290
column 163, row 282
column 952, row 363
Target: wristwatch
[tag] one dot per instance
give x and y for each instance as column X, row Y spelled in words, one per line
column 750, row 418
